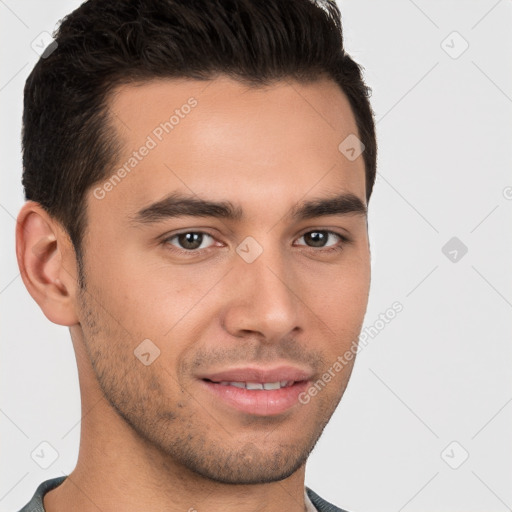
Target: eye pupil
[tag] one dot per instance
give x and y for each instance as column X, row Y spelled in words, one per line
column 316, row 238
column 190, row 240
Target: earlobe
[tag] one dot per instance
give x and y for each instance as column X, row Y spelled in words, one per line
column 47, row 263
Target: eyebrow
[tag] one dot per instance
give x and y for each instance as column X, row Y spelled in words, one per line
column 179, row 205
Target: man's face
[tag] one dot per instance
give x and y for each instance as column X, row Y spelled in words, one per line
column 215, row 303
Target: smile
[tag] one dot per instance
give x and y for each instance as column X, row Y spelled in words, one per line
column 258, row 385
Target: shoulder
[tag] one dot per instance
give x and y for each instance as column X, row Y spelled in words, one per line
column 320, row 504
column 36, row 503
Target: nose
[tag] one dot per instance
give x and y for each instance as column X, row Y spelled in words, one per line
column 263, row 301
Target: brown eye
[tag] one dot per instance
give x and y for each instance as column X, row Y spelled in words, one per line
column 190, row 241
column 320, row 238
column 316, row 238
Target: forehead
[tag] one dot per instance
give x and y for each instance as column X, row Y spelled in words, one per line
column 221, row 138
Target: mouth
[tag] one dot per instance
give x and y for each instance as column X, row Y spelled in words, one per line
column 255, row 386
column 257, row 392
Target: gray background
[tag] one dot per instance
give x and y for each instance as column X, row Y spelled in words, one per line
column 434, row 385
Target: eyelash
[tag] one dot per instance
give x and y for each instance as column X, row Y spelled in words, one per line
column 192, row 252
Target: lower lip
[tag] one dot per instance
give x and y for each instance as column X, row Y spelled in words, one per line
column 260, row 402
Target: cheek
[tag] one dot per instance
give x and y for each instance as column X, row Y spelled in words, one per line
column 339, row 289
column 123, row 293
column 155, row 301
column 338, row 298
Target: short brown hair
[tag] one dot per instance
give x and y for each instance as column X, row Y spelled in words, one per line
column 68, row 144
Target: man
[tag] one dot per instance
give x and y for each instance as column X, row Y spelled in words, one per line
column 197, row 176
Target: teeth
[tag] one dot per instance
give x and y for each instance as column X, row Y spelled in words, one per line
column 258, row 385
column 253, row 385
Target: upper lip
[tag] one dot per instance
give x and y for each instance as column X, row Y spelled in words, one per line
column 255, row 374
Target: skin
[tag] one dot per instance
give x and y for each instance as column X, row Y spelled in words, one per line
column 151, row 437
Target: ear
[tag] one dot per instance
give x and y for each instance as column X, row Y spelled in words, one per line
column 47, row 263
